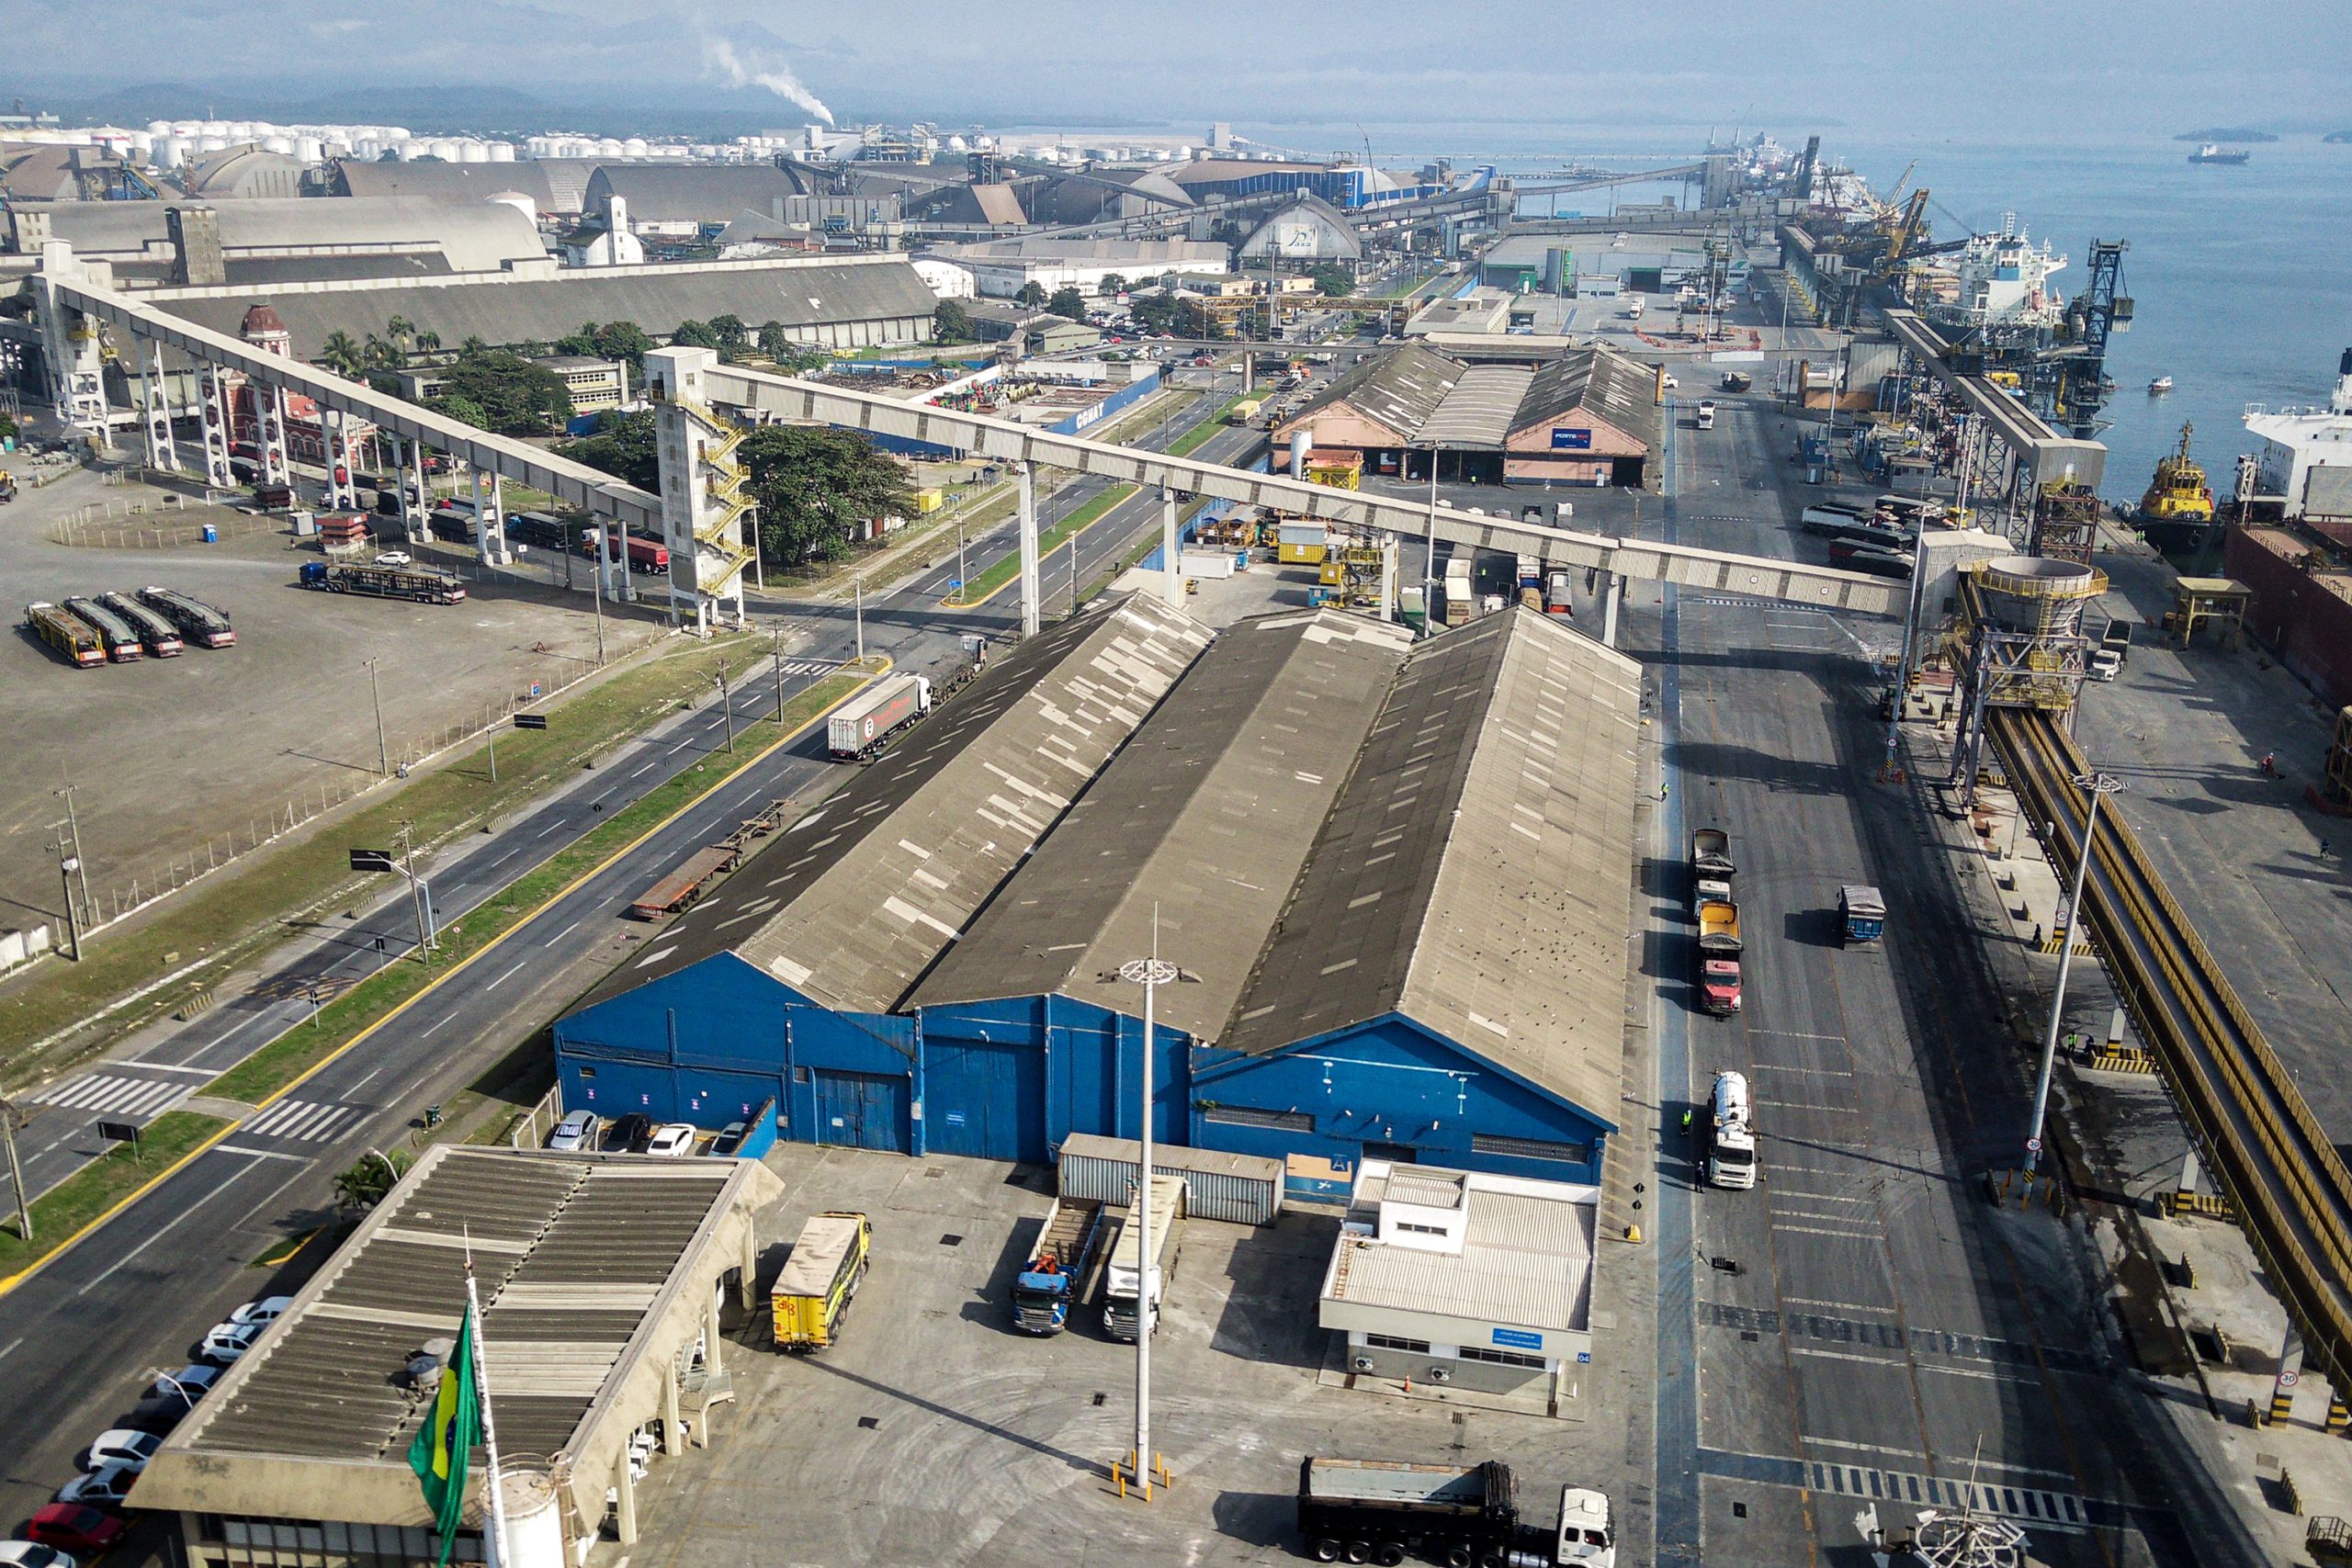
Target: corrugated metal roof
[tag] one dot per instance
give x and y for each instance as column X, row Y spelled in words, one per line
column 853, row 903
column 1525, row 1260
column 1205, row 817
column 482, row 237
column 1476, row 413
column 498, row 308
column 556, row 185
column 1617, row 388
column 1476, row 874
column 569, row 1255
column 1400, row 390
column 693, row 193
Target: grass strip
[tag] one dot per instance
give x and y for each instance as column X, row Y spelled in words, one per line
column 71, row 1206
column 232, row 914
column 1198, row 436
column 996, row 576
column 279, row 1063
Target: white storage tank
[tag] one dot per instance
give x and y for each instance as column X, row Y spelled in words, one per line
column 310, row 149
column 534, row 1519
column 281, row 145
column 472, row 152
column 159, row 128
column 501, row 152
column 410, row 152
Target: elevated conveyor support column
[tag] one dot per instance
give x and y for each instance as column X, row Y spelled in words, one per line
column 162, row 455
column 212, row 393
column 1172, row 586
column 1025, row 474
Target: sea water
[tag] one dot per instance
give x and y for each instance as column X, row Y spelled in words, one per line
column 2241, row 275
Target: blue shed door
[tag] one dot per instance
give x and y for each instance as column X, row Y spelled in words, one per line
column 985, row 1100
column 861, row 1111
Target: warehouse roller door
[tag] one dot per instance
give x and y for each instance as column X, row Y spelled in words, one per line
column 861, row 1111
column 985, row 1100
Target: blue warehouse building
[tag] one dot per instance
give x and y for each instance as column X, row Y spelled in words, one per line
column 1397, row 877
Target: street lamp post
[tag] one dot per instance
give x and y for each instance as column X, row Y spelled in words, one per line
column 383, row 752
column 725, row 712
column 1150, row 974
column 2098, row 785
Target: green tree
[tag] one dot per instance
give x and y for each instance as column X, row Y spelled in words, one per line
column 341, row 353
column 624, row 341
column 622, row 445
column 775, row 339
column 731, row 331
column 513, row 396
column 428, row 343
column 1031, row 294
column 465, row 411
column 1111, row 285
column 952, row 323
column 1069, row 302
column 813, row 483
column 363, row 1186
column 472, row 345
column 695, row 335
column 1160, row 313
column 1334, row 280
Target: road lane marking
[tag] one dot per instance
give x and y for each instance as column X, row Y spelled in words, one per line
column 438, row 1027
column 565, row 932
column 213, row 1141
column 205, row 1073
column 174, row 1224
column 363, row 1083
column 265, row 1154
column 508, row 975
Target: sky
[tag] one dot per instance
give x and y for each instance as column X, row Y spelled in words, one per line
column 1973, row 70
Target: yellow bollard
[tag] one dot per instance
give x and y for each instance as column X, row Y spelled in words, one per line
column 1634, row 1235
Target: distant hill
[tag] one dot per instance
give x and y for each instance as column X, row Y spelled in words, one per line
column 2226, row 133
column 2337, row 136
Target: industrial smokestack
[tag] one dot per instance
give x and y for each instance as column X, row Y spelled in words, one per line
column 1300, row 441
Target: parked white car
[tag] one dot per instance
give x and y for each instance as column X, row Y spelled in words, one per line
column 104, row 1487
column 124, row 1445
column 270, row 1309
column 395, row 558
column 230, row 1340
column 33, row 1554
column 190, row 1383
column 672, row 1138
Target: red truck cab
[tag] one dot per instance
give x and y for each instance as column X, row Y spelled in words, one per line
column 1719, row 986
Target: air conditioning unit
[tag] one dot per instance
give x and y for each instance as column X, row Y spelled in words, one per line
column 1362, row 1363
column 1440, row 1374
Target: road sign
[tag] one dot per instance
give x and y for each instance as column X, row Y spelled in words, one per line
column 530, row 721
column 2289, row 1378
column 119, row 1132
column 2033, row 1146
column 371, row 860
column 535, row 689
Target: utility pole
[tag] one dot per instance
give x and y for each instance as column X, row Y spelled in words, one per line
column 779, row 674
column 595, row 589
column 2097, row 785
column 383, row 752
column 726, row 710
column 857, row 588
column 962, row 577
column 16, row 1171
column 1073, row 574
column 492, row 735
column 416, row 895
column 81, row 865
column 67, row 865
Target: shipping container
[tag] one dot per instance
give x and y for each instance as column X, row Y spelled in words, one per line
column 873, row 715
column 1242, row 1190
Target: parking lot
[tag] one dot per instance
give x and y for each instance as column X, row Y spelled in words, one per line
column 168, row 755
column 937, row 1433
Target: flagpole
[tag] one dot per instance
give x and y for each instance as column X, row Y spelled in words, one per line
column 496, row 1494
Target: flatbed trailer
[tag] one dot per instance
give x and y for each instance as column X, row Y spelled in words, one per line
column 121, row 638
column 75, row 640
column 158, row 636
column 384, row 582
column 1055, row 1271
column 682, row 887
column 205, row 624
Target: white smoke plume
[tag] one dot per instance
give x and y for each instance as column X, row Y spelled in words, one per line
column 721, row 58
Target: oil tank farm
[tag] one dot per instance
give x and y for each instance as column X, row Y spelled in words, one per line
column 1396, row 880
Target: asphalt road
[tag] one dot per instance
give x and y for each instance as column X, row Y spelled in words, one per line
column 80, row 1339
column 1860, row 1328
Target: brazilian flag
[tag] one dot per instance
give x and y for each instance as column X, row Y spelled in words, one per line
column 445, row 1444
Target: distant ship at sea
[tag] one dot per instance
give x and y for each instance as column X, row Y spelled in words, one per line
column 2213, row 153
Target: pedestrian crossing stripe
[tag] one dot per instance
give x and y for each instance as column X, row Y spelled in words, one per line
column 303, row 1121
column 115, row 1093
column 2025, row 1505
column 809, row 666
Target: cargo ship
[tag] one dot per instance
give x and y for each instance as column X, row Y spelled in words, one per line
column 2214, row 152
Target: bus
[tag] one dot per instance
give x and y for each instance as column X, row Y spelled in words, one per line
column 156, row 633
column 70, row 635
column 122, row 641
column 199, row 622
column 811, row 1299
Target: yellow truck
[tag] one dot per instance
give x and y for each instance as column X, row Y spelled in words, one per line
column 812, row 1295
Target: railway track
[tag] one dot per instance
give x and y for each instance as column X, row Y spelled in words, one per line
column 2283, row 1177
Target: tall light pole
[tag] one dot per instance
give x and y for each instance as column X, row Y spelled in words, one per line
column 779, row 674
column 2098, row 785
column 725, row 712
column 1150, row 974
column 383, row 752
column 857, row 589
column 16, row 1171
column 1428, row 552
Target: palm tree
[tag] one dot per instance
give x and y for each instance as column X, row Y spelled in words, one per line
column 381, row 354
column 427, row 342
column 400, row 329
column 341, row 354
column 471, row 346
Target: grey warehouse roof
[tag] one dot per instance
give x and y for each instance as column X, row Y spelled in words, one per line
column 1525, row 1259
column 1424, row 396
column 1476, row 874
column 1480, row 411
column 1619, row 388
column 580, row 1261
column 800, row 292
column 481, row 237
column 1401, row 390
column 853, row 903
column 696, row 193
column 556, row 185
column 1207, row 816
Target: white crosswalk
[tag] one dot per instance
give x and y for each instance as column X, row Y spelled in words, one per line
column 117, row 1094
column 2025, row 1504
column 809, row 666
column 303, row 1121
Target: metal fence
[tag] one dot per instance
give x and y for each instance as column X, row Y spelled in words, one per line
column 530, row 1128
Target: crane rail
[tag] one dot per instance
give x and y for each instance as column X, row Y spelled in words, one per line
column 2288, row 1186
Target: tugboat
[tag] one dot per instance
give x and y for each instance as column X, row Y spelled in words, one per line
column 2214, row 152
column 2177, row 512
column 2160, row 386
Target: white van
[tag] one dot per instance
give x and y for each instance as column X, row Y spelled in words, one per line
column 1731, row 1146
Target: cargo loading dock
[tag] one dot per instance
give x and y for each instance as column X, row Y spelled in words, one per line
column 1354, row 845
